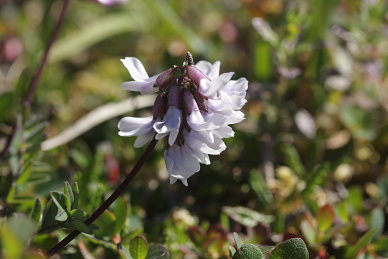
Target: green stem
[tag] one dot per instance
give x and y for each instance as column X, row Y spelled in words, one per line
column 119, row 190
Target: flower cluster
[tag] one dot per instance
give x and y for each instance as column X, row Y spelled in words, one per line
column 193, row 110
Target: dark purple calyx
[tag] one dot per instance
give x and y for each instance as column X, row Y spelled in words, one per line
column 195, row 74
column 174, row 96
column 165, row 79
column 160, row 106
column 188, row 101
column 200, row 100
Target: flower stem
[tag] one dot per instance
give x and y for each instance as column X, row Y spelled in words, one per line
column 119, row 190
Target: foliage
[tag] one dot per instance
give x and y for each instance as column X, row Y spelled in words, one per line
column 307, row 168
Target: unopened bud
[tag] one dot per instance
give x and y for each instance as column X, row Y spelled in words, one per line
column 195, row 74
column 165, row 79
column 160, row 106
column 174, row 96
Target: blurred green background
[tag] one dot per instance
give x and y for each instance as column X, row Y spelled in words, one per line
column 309, row 160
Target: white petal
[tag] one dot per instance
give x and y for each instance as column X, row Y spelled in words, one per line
column 211, row 70
column 135, row 68
column 235, row 117
column 224, row 132
column 197, row 122
column 238, row 102
column 145, row 87
column 180, row 162
column 132, row 126
column 170, row 125
column 143, row 139
column 196, row 141
column 226, row 76
column 173, row 180
column 219, row 106
column 173, row 136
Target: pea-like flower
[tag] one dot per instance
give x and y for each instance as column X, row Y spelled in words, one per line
column 194, row 107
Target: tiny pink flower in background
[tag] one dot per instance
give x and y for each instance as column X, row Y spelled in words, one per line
column 193, row 110
column 111, row 2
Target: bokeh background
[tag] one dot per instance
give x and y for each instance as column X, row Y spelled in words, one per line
column 309, row 160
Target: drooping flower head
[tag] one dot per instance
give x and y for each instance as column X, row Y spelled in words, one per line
column 194, row 107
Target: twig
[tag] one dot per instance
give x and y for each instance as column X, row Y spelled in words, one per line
column 119, row 190
column 97, row 116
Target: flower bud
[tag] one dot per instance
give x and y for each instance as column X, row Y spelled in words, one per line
column 195, row 74
column 165, row 79
column 160, row 106
column 174, row 96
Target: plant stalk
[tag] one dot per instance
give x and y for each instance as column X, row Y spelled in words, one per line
column 119, row 190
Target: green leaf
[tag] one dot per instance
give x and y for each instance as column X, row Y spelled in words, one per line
column 309, row 232
column 80, row 226
column 36, row 212
column 232, row 251
column 293, row 248
column 59, row 200
column 123, row 251
column 266, row 249
column 263, row 61
column 361, row 122
column 49, row 214
column 325, row 217
column 69, row 196
column 238, row 240
column 78, row 214
column 361, row 243
column 80, row 40
column 61, row 216
column 138, row 247
column 317, row 178
column 76, row 196
column 158, row 252
column 259, row 185
column 355, row 199
column 249, row 251
column 121, row 212
column 377, row 221
column 294, row 161
column 247, row 217
column 382, row 246
column 106, row 225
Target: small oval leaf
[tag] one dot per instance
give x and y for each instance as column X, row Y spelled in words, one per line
column 293, row 248
column 138, row 247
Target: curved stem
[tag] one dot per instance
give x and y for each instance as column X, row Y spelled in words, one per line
column 119, row 190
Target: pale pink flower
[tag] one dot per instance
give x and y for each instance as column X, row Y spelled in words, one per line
column 111, row 2
column 194, row 107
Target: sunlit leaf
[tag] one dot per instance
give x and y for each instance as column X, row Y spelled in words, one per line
column 293, row 248
column 138, row 248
